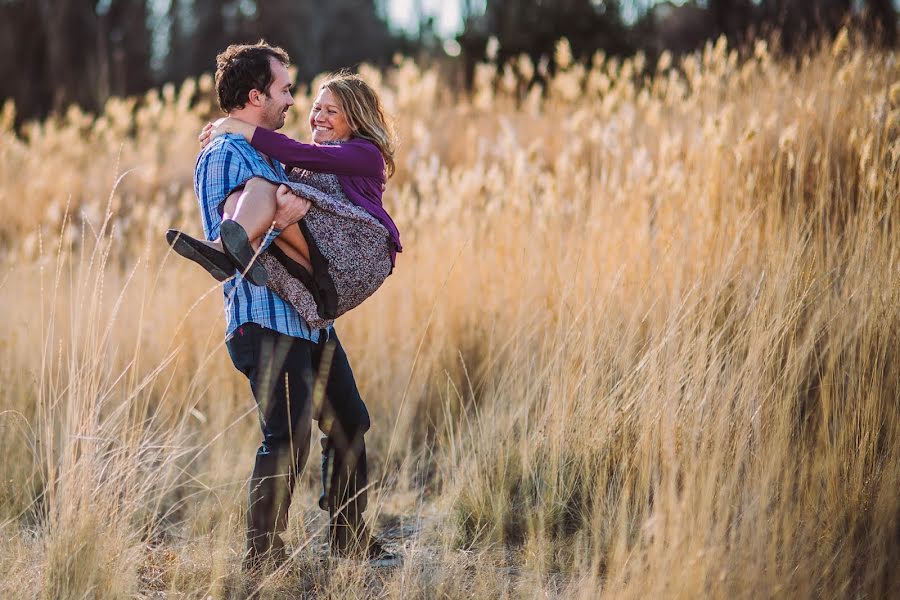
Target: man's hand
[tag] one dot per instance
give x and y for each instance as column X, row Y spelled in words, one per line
column 289, row 207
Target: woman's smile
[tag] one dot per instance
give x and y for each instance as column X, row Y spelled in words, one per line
column 327, row 119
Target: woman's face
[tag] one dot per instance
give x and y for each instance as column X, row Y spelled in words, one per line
column 327, row 119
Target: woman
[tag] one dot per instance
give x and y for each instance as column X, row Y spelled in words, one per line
column 346, row 245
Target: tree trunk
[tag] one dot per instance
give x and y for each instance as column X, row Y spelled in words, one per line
column 71, row 30
column 128, row 47
column 882, row 20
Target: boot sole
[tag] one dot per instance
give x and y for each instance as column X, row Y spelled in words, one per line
column 197, row 251
column 237, row 247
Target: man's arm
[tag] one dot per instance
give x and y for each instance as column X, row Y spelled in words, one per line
column 289, row 207
column 221, row 172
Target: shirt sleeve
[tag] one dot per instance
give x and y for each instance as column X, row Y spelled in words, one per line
column 353, row 158
column 219, row 171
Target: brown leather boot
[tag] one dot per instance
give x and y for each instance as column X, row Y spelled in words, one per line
column 352, row 540
column 267, row 512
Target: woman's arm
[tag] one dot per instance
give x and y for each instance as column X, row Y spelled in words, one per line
column 225, row 125
column 355, row 157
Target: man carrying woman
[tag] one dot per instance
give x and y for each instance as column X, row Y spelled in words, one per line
column 275, row 347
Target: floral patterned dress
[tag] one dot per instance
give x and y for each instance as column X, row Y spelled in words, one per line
column 349, row 252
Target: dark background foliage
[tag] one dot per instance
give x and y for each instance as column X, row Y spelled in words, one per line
column 57, row 52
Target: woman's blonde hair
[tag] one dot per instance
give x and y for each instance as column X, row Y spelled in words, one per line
column 365, row 114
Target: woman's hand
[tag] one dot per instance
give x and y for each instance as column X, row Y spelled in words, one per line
column 225, row 125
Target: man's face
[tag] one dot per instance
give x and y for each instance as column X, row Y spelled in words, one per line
column 278, row 98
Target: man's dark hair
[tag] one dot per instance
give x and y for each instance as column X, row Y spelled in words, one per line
column 244, row 67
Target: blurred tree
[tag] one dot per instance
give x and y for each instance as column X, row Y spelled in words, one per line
column 534, row 26
column 199, row 29
column 125, row 38
column 318, row 36
column 800, row 20
column 55, row 52
column 679, row 28
column 292, row 25
column 24, row 57
column 881, row 18
column 324, row 36
column 686, row 26
column 59, row 52
column 71, row 48
column 731, row 17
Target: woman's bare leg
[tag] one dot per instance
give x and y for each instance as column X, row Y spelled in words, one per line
column 228, row 209
column 292, row 242
column 254, row 209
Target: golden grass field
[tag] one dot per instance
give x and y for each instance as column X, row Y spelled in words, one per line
column 643, row 342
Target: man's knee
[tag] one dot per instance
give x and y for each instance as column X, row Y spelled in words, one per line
column 352, row 415
column 343, row 395
column 361, row 422
column 279, row 434
column 345, row 429
column 355, row 430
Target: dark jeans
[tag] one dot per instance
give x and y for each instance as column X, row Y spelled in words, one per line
column 286, row 376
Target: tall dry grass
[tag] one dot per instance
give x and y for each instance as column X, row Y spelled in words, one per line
column 642, row 342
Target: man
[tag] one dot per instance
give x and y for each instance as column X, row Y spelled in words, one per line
column 268, row 341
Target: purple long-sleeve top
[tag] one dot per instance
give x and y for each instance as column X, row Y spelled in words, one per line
column 357, row 163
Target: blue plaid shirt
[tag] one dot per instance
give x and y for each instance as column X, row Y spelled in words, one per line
column 227, row 163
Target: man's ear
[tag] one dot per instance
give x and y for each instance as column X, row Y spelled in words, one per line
column 255, row 97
